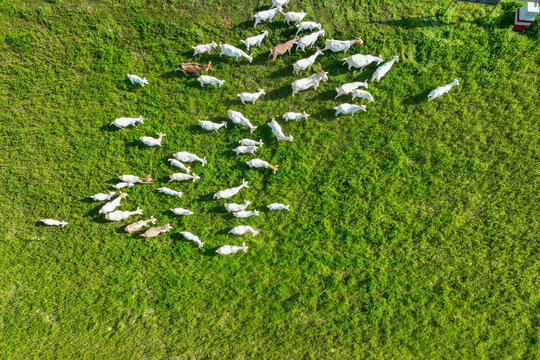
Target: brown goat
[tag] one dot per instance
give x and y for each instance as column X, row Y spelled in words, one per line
column 283, row 48
column 193, row 67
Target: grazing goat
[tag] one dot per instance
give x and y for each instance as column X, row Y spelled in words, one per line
column 155, row 231
column 245, row 150
column 349, row 87
column 341, row 45
column 227, row 193
column 182, row 211
column 249, row 142
column 234, row 52
column 360, row 61
column 136, row 226
column 179, row 164
column 167, row 191
column 258, row 163
column 239, row 119
column 283, row 48
column 102, row 196
column 190, row 236
column 362, row 94
column 277, row 206
column 150, row 141
column 232, row 207
column 266, row 15
column 293, row 16
column 255, row 40
column 120, row 215
column 136, row 79
column 111, row 205
column 295, row 116
column 52, row 222
column 193, row 68
column 306, row 63
column 280, row 3
column 204, row 48
column 308, row 25
column 251, row 96
column 305, row 83
column 245, row 214
column 349, row 108
column 184, row 156
column 231, row 249
column 183, row 177
column 383, row 69
column 442, row 90
column 309, row 40
column 242, row 229
column 208, row 125
column 210, row 80
column 125, row 121
column 276, row 130
column 135, row 179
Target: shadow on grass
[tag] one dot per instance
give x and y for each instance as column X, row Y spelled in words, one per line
column 279, row 93
column 416, row 99
column 327, row 114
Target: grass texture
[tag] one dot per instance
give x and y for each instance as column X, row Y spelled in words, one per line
column 413, row 230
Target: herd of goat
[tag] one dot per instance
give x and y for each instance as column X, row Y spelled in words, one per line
column 245, row 145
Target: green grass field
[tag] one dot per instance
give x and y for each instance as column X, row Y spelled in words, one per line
column 413, row 230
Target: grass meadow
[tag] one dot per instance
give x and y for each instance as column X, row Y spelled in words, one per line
column 413, row 230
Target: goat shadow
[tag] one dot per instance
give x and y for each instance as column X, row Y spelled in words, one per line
column 279, row 93
column 327, row 114
column 416, row 99
column 325, row 95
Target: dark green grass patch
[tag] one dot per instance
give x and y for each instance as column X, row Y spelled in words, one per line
column 413, row 230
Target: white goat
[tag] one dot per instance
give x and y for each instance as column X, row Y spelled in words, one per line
column 125, row 121
column 192, row 237
column 102, row 196
column 341, row 45
column 276, row 3
column 293, row 16
column 383, row 69
column 250, row 96
column 255, row 40
column 245, row 214
column 258, row 163
column 442, row 90
column 245, row 150
column 308, row 25
column 249, row 142
column 239, row 119
column 305, row 83
column 182, row 211
column 210, row 80
column 306, row 63
column 232, row 207
column 234, row 52
column 277, row 206
column 360, row 61
column 309, row 40
column 136, row 79
column 242, row 229
column 179, row 164
column 204, row 48
column 276, row 130
column 52, row 222
column 111, row 205
column 150, row 141
column 227, row 193
column 184, row 156
column 167, row 191
column 231, row 249
column 122, row 185
column 295, row 116
column 183, row 177
column 266, row 15
column 208, row 125
column 135, row 179
column 350, row 87
column 363, row 95
column 120, row 215
column 349, row 108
